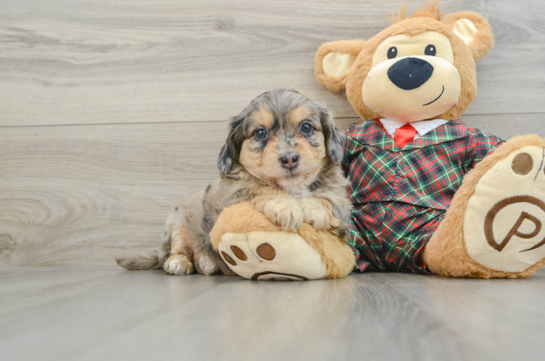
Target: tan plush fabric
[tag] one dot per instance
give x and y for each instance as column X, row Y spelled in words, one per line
column 446, row 253
column 483, row 40
column 242, row 221
column 465, row 29
column 464, row 57
column 337, row 64
column 379, row 93
column 463, row 62
column 271, row 255
column 501, row 224
column 335, row 83
column 428, row 10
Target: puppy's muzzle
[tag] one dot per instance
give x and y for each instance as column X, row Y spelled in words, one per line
column 289, row 160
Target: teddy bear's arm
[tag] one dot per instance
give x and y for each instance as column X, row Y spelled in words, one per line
column 480, row 145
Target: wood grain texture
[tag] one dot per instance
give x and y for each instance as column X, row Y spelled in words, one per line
column 112, row 110
column 74, row 194
column 136, row 61
column 77, row 195
column 112, row 314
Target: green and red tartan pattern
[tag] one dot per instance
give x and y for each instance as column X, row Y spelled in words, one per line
column 400, row 195
column 385, row 236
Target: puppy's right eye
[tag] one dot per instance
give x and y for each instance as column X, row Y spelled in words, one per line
column 306, row 128
column 260, row 134
column 392, row 52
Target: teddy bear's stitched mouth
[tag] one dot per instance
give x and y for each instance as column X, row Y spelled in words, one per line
column 434, row 100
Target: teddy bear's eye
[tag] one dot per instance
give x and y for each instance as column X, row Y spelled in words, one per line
column 430, row 50
column 392, row 52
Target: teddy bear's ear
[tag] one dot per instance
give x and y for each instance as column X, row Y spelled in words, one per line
column 333, row 61
column 473, row 29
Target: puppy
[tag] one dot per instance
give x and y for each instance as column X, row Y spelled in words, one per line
column 282, row 153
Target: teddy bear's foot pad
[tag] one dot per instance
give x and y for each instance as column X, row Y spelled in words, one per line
column 504, row 223
column 271, row 256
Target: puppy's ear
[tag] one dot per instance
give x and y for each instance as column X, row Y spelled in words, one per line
column 334, row 139
column 473, row 29
column 225, row 159
column 333, row 62
column 231, row 149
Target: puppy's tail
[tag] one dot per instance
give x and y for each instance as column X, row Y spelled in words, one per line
column 147, row 259
column 151, row 258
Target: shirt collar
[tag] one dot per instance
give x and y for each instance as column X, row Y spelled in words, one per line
column 422, row 126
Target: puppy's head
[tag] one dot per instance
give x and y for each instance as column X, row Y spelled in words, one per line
column 283, row 138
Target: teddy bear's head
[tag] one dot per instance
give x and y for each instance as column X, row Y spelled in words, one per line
column 418, row 68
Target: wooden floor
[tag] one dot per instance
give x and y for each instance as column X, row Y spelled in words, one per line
column 57, row 314
column 112, row 110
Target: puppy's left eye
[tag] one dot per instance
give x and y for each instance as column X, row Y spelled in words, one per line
column 261, row 134
column 430, row 50
column 306, row 128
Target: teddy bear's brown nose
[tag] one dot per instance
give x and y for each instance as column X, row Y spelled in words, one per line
column 410, row 73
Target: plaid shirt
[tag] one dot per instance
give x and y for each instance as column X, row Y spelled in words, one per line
column 400, row 195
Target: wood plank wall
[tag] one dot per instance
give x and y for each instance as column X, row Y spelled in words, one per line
column 111, row 110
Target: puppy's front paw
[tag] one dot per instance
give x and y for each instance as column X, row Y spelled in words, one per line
column 281, row 210
column 317, row 213
column 178, row 264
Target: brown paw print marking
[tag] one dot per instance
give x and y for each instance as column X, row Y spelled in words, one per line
column 279, row 276
column 239, row 253
column 228, row 259
column 522, row 164
column 266, row 251
column 489, row 221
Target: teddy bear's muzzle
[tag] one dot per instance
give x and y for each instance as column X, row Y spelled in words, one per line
column 410, row 73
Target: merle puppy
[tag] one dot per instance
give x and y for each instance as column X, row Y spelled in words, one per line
column 281, row 144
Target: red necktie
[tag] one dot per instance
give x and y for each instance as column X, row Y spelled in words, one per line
column 404, row 135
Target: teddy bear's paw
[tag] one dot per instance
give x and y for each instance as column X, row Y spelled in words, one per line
column 271, row 256
column 504, row 223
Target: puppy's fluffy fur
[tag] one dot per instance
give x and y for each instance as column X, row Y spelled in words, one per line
column 281, row 153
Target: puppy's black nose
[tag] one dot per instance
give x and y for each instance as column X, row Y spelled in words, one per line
column 289, row 160
column 410, row 73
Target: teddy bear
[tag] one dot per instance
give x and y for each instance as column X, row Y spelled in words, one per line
column 430, row 195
